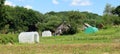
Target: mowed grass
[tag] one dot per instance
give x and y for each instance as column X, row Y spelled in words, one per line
column 106, row 41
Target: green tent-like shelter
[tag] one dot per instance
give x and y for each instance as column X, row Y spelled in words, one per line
column 90, row 30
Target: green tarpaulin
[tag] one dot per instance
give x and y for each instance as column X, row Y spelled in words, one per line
column 89, row 30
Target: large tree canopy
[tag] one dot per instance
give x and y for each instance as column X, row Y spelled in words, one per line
column 111, row 15
column 2, row 2
column 17, row 19
column 3, row 16
column 108, row 9
column 117, row 11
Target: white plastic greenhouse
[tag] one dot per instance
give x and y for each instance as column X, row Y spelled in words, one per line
column 28, row 37
column 46, row 33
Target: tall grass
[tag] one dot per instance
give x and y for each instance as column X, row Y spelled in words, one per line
column 8, row 38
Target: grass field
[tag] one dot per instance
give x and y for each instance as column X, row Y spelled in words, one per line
column 106, row 41
column 95, row 48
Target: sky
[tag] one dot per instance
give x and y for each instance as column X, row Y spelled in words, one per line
column 44, row 6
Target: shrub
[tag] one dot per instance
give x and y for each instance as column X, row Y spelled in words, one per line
column 8, row 38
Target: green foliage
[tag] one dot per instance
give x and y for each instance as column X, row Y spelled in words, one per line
column 5, row 29
column 108, row 9
column 75, row 16
column 73, row 28
column 117, row 10
column 2, row 2
column 8, row 38
column 75, row 19
column 51, row 23
column 18, row 19
column 111, row 20
column 92, row 19
column 3, row 15
column 110, row 15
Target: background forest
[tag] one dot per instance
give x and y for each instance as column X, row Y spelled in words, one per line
column 18, row 19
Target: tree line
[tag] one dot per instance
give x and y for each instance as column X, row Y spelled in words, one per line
column 18, row 19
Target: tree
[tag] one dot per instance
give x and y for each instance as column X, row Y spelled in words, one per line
column 92, row 19
column 27, row 19
column 52, row 22
column 2, row 2
column 18, row 19
column 3, row 16
column 108, row 9
column 2, row 12
column 117, row 10
column 76, row 17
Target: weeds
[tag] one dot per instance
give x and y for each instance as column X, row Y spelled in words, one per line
column 8, row 38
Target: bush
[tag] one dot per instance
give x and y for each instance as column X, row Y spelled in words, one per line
column 8, row 38
column 72, row 29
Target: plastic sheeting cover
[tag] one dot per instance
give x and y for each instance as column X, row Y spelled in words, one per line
column 46, row 33
column 91, row 30
column 28, row 37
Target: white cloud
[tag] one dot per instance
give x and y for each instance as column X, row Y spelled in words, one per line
column 81, row 3
column 9, row 3
column 55, row 2
column 28, row 7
